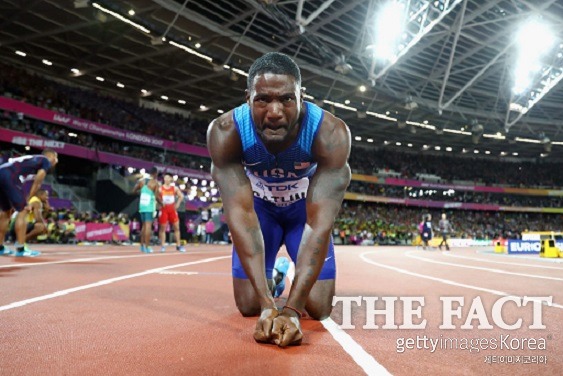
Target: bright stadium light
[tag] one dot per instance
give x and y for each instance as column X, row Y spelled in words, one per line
column 534, row 40
column 389, row 27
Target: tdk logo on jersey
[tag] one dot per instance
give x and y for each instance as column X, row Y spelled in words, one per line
column 282, row 188
column 524, row 246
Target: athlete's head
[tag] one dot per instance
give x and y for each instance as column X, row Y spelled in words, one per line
column 43, row 195
column 153, row 172
column 167, row 178
column 52, row 156
column 274, row 96
column 443, row 215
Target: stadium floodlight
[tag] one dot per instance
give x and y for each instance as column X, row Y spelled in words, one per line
column 534, row 40
column 400, row 25
column 389, row 27
column 538, row 68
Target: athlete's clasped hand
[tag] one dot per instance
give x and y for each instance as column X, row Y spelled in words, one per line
column 279, row 328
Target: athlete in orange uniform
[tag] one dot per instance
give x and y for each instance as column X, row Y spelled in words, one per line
column 171, row 197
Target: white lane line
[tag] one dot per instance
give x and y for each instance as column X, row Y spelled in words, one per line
column 88, row 259
column 449, row 254
column 444, row 281
column 357, row 352
column 535, row 258
column 104, row 282
column 499, row 271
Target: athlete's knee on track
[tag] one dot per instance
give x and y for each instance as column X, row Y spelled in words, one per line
column 248, row 309
column 320, row 312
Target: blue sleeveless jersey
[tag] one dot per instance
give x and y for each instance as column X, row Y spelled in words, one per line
column 26, row 165
column 281, row 179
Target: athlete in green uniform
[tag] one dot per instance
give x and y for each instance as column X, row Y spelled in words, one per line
column 147, row 206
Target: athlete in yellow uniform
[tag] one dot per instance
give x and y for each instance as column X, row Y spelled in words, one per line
column 36, row 225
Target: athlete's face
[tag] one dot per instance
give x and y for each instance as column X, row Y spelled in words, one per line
column 44, row 197
column 167, row 179
column 53, row 158
column 275, row 101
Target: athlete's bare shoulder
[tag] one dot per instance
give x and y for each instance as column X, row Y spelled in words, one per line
column 222, row 124
column 333, row 135
column 223, row 140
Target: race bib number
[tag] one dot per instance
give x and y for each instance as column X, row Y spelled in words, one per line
column 280, row 194
column 145, row 199
column 167, row 199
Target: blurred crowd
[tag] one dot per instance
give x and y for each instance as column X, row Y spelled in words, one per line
column 485, row 171
column 365, row 223
column 16, row 122
column 415, row 193
column 98, row 107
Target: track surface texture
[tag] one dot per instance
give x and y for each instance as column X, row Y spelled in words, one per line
column 111, row 310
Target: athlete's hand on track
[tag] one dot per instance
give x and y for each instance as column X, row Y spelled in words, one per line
column 263, row 330
column 287, row 330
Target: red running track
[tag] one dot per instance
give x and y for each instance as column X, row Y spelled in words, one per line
column 112, row 310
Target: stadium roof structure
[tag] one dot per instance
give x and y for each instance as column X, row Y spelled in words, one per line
column 449, row 82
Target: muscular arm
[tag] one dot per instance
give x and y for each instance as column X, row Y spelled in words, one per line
column 156, row 189
column 37, row 212
column 227, row 171
column 138, row 186
column 36, row 183
column 324, row 199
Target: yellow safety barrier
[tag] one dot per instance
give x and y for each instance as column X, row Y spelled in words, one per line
column 549, row 250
